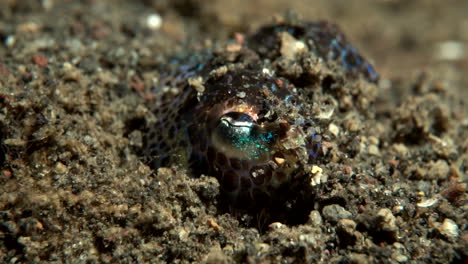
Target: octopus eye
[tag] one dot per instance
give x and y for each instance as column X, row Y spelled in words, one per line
column 238, row 135
column 236, row 125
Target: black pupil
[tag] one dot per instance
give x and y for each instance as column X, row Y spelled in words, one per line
column 239, row 117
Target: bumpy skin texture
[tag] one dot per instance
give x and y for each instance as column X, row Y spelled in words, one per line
column 243, row 116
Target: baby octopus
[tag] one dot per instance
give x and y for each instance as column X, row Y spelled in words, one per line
column 247, row 114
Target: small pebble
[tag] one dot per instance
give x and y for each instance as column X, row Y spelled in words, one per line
column 347, row 224
column 386, row 220
column 14, row 142
column 315, row 219
column 279, row 161
column 233, row 47
column 353, row 126
column 276, row 225
column 218, row 72
column 318, row 176
column 401, row 258
column 334, row 129
column 197, row 83
column 7, row 174
column 346, row 232
column 290, row 47
column 439, row 170
column 309, row 239
column 400, row 149
column 10, row 41
column 4, row 71
column 47, row 4
column 357, row 258
column 212, row 223
column 450, row 50
column 241, row 94
column 154, row 21
column 334, row 213
column 262, row 247
column 266, row 72
column 316, row 169
column 39, row 60
column 454, row 192
column 449, row 229
column 374, row 150
column 60, row 168
column 29, row 27
column 70, row 72
column 217, row 255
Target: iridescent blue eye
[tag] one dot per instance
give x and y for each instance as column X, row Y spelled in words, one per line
column 239, row 135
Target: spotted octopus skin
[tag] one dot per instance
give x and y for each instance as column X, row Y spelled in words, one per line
column 235, row 118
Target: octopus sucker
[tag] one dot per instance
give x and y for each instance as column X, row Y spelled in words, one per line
column 239, row 116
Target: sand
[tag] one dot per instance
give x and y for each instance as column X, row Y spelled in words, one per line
column 75, row 83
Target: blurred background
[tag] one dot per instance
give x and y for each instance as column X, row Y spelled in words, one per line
column 400, row 37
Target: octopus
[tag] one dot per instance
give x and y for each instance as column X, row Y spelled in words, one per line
column 247, row 113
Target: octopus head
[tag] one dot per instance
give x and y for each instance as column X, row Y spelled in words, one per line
column 252, row 146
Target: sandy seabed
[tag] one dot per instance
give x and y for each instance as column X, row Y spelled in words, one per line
column 75, row 81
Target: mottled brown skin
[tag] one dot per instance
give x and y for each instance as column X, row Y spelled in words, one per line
column 236, row 118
